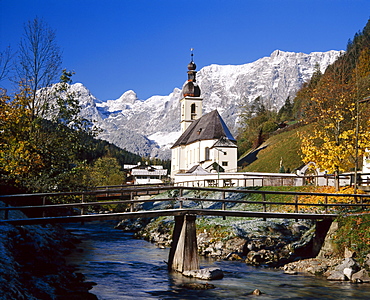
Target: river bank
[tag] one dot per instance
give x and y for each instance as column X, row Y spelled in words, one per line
column 33, row 266
column 126, row 268
column 297, row 247
column 272, row 243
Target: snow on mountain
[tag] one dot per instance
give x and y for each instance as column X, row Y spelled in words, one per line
column 274, row 78
column 149, row 127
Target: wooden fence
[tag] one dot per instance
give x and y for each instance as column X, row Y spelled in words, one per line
column 178, row 199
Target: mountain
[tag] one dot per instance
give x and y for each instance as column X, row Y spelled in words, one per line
column 149, row 127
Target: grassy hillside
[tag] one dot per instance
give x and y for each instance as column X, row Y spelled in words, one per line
column 283, row 146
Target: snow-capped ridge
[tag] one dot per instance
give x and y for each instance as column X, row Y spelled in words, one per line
column 149, row 127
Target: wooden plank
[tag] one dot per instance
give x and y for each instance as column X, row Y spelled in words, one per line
column 167, row 212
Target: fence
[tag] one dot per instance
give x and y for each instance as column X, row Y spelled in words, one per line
column 261, row 179
column 356, row 201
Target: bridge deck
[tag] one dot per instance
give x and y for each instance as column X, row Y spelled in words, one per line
column 167, row 212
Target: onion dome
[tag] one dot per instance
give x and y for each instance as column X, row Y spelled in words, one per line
column 191, row 89
column 192, row 66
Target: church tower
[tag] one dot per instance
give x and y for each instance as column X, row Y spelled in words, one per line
column 206, row 144
column 191, row 103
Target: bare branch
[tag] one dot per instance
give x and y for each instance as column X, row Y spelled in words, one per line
column 5, row 63
column 39, row 61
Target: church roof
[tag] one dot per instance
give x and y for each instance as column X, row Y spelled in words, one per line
column 208, row 127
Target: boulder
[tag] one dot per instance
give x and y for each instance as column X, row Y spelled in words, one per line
column 198, row 286
column 362, row 276
column 290, row 270
column 348, row 263
column 349, row 253
column 348, row 272
column 367, row 260
column 233, row 256
column 337, row 276
column 257, row 292
column 254, row 258
column 344, row 270
column 317, row 269
column 205, row 274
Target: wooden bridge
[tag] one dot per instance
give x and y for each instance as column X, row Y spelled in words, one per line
column 49, row 208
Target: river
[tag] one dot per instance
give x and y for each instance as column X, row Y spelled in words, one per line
column 128, row 268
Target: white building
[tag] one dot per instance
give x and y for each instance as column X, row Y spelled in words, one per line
column 206, row 142
column 366, row 168
column 143, row 174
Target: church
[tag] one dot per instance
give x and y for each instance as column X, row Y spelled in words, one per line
column 206, row 145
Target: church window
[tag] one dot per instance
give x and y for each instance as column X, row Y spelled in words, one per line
column 192, row 111
column 206, row 154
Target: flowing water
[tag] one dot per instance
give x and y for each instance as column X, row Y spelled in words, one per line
column 128, row 268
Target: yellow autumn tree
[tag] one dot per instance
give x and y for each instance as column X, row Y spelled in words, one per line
column 18, row 154
column 341, row 122
column 38, row 154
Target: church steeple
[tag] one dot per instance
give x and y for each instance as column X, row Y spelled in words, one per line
column 191, row 103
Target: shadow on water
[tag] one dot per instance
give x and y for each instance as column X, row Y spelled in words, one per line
column 128, row 268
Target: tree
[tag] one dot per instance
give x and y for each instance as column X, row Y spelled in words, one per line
column 43, row 154
column 286, row 111
column 303, row 96
column 256, row 123
column 107, row 171
column 39, row 63
column 5, row 63
column 341, row 132
column 18, row 155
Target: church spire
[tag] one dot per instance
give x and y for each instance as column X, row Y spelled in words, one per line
column 191, row 88
column 191, row 102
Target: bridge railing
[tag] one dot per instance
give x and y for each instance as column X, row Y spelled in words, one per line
column 178, row 199
column 276, row 179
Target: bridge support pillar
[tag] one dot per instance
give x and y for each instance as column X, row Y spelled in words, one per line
column 184, row 250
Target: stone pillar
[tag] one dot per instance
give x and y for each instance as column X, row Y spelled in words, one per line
column 184, row 250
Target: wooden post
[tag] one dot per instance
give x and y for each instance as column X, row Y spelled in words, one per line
column 184, row 250
column 223, row 204
column 82, row 201
column 264, row 204
column 180, row 198
column 82, row 207
column 131, row 204
column 296, row 205
column 43, row 203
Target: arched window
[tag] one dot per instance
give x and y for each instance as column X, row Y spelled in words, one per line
column 206, row 154
column 192, row 111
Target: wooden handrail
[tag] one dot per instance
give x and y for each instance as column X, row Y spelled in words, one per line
column 118, row 192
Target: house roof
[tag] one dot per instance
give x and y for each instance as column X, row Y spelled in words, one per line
column 208, row 127
column 137, row 172
column 224, row 142
column 197, row 169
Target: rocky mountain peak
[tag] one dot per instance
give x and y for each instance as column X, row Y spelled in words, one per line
column 149, row 127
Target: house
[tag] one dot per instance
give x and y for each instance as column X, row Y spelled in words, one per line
column 206, row 143
column 144, row 174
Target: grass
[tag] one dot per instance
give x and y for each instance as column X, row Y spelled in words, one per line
column 283, row 147
column 354, row 233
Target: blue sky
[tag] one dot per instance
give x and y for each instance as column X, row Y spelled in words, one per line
column 144, row 45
